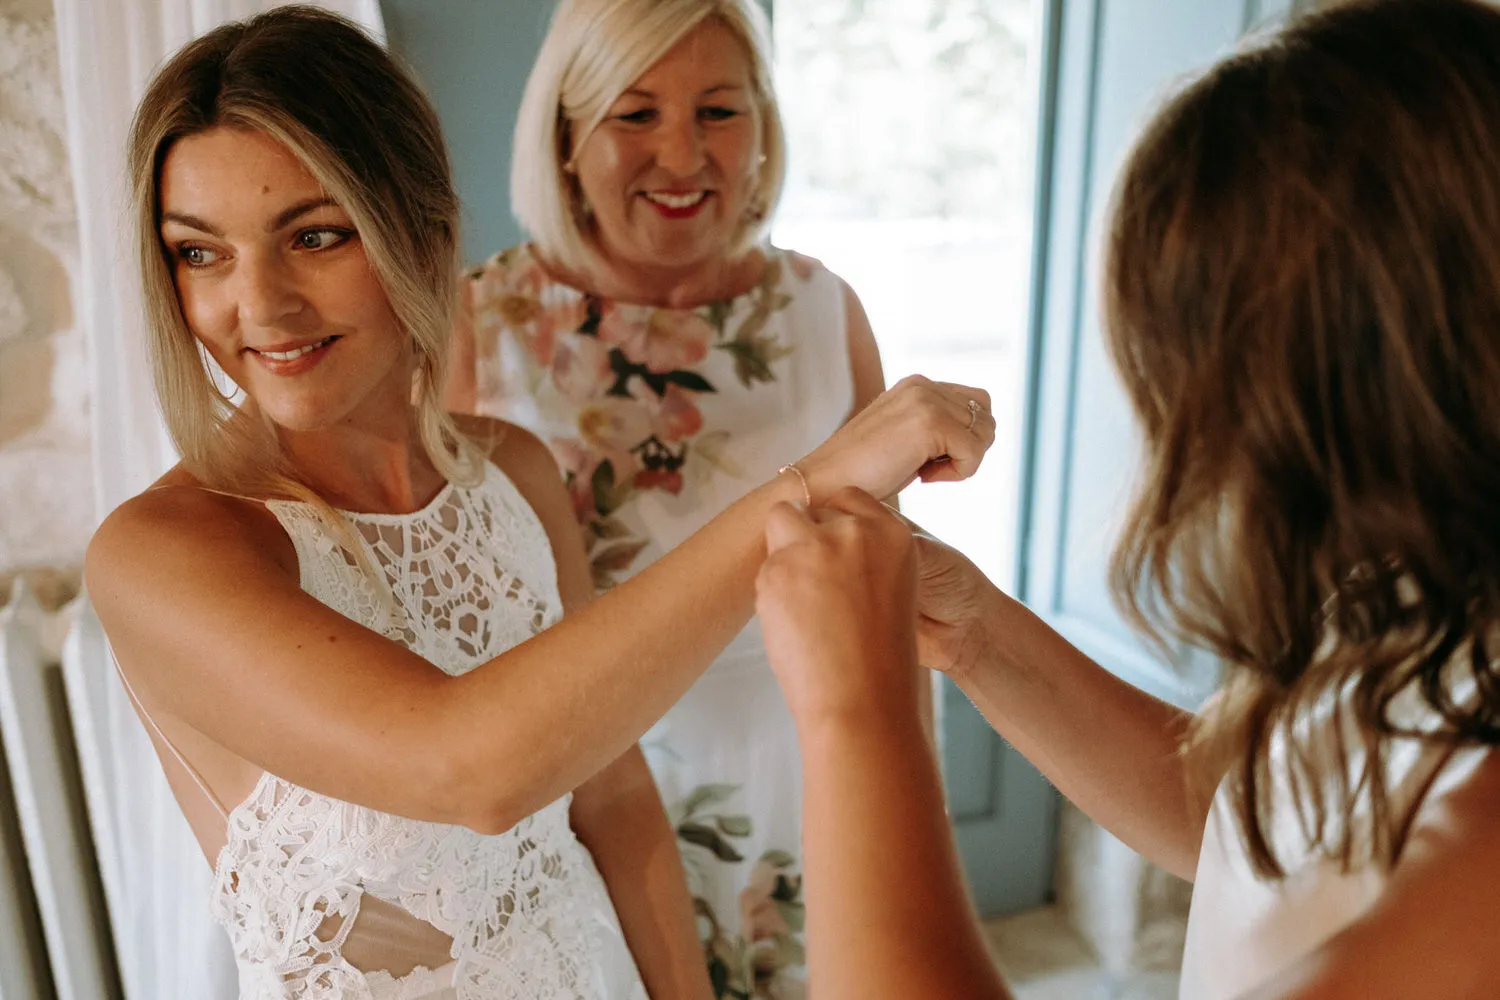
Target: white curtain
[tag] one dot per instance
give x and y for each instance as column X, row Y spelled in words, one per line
column 167, row 945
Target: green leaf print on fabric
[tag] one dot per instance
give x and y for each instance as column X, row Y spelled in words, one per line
column 753, row 358
column 708, row 837
column 701, row 798
column 754, row 353
column 757, row 960
column 736, row 826
column 610, row 494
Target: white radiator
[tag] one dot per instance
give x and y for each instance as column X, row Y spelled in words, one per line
column 54, row 926
column 103, row 890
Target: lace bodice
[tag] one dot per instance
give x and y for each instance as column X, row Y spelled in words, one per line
column 462, row 580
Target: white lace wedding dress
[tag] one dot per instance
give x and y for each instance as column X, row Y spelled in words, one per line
column 324, row 899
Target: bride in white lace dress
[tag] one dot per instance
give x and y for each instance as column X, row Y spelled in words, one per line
column 336, row 613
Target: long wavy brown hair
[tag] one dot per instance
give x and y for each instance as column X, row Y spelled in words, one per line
column 1302, row 292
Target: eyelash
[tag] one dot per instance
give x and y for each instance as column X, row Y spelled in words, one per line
column 644, row 116
column 341, row 236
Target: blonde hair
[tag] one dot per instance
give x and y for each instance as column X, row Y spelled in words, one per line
column 372, row 140
column 593, row 52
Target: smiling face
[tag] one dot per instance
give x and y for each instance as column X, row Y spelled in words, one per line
column 670, row 173
column 273, row 281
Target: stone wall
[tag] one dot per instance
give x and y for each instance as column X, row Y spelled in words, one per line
column 46, row 489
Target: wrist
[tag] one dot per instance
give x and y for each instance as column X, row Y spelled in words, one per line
column 787, row 486
column 820, row 480
column 982, row 644
column 794, row 470
column 892, row 719
column 865, row 700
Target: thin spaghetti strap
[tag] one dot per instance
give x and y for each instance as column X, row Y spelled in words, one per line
column 191, row 770
column 210, row 489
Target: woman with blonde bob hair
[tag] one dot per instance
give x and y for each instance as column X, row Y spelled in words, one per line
column 595, row 51
column 672, row 358
column 336, row 615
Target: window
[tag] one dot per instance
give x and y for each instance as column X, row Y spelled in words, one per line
column 911, row 127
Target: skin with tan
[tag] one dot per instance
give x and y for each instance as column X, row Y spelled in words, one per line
column 838, row 596
column 245, row 672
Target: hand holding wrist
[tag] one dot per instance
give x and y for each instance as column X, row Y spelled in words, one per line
column 835, row 600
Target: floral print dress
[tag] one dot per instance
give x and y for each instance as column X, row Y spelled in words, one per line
column 659, row 419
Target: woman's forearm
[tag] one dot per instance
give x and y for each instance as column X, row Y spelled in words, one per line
column 888, row 915
column 1111, row 748
column 619, row 817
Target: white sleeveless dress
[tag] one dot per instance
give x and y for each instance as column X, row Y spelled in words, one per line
column 660, row 419
column 1242, row 929
column 305, row 880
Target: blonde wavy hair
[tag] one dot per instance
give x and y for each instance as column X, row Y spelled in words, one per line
column 593, row 52
column 370, row 137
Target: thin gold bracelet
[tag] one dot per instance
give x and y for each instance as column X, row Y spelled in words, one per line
column 806, row 490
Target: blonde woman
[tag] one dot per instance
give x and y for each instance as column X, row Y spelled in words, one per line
column 672, row 359
column 336, row 614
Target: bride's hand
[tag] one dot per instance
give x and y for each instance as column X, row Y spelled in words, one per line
column 934, row 431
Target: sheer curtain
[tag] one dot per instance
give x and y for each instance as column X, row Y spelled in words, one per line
column 166, row 942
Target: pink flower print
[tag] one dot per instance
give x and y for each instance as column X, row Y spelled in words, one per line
column 580, row 368
column 659, row 479
column 578, row 464
column 517, row 310
column 760, row 919
column 532, row 277
column 614, row 425
column 675, row 417
column 491, row 282
column 560, row 318
column 663, row 340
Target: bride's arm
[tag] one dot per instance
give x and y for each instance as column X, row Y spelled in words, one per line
column 199, row 595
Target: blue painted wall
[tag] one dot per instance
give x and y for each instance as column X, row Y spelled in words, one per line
column 472, row 56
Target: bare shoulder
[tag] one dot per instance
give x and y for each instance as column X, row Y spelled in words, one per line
column 1460, row 807
column 174, row 525
column 524, row 459
column 516, row 451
